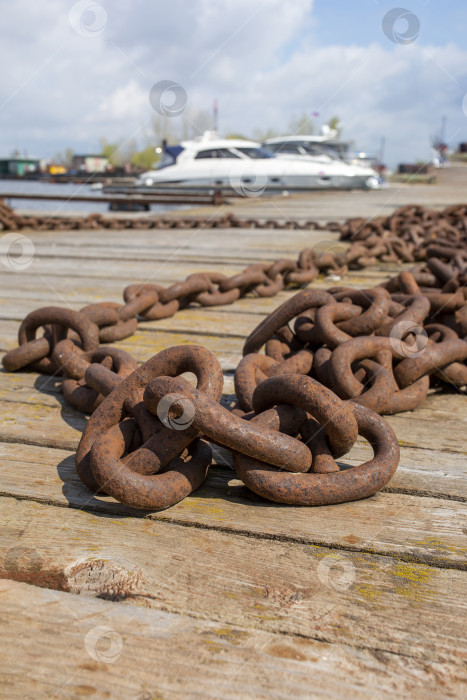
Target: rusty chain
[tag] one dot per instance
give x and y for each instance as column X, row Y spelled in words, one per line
column 349, row 356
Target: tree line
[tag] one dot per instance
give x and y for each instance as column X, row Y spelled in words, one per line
column 192, row 123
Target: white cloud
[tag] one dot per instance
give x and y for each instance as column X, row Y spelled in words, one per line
column 62, row 89
column 126, row 103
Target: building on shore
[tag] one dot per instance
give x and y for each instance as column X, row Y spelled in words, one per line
column 89, row 163
column 18, row 166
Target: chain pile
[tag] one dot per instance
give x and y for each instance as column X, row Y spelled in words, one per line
column 411, row 234
column 12, row 221
column 376, row 348
column 352, row 355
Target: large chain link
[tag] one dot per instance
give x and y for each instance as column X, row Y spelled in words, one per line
column 334, row 361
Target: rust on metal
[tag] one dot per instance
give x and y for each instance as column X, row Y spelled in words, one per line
column 333, row 360
column 317, row 489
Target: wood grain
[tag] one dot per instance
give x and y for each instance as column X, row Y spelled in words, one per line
column 418, row 529
column 357, row 599
column 241, row 598
column 26, row 467
column 54, row 646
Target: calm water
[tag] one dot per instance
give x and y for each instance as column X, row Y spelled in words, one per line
column 56, row 207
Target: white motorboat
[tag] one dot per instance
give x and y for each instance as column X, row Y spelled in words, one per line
column 250, row 169
column 324, row 148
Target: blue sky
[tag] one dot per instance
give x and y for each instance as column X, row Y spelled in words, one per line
column 359, row 21
column 80, row 71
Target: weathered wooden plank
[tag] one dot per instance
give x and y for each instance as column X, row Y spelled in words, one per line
column 170, row 272
column 85, row 289
column 422, row 472
column 51, row 272
column 412, row 527
column 329, row 206
column 31, row 471
column 438, row 405
column 253, row 308
column 146, row 256
column 45, row 425
column 449, row 400
column 412, row 431
column 147, row 259
column 39, row 424
column 427, row 472
column 144, row 345
column 142, row 270
column 139, row 268
column 417, row 529
column 418, row 533
column 247, row 306
column 224, row 245
column 28, row 387
column 201, row 241
column 361, row 600
column 56, row 644
column 194, row 320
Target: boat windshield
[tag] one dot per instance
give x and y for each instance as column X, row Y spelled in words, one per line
column 216, row 153
column 303, row 148
column 326, row 150
column 165, row 161
column 169, row 156
column 255, row 152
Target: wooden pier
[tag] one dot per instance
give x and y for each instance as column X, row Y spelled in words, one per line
column 193, row 197
column 224, row 595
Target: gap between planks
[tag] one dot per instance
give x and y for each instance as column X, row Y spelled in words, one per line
column 421, row 560
column 418, row 529
column 292, row 588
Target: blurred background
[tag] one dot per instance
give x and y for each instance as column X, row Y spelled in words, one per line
column 77, row 77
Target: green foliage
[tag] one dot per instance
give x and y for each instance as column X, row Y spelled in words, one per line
column 111, row 151
column 145, row 158
column 335, row 123
column 123, row 152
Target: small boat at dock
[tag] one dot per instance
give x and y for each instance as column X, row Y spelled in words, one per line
column 250, row 169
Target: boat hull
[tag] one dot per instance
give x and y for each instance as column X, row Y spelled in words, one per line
column 262, row 184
